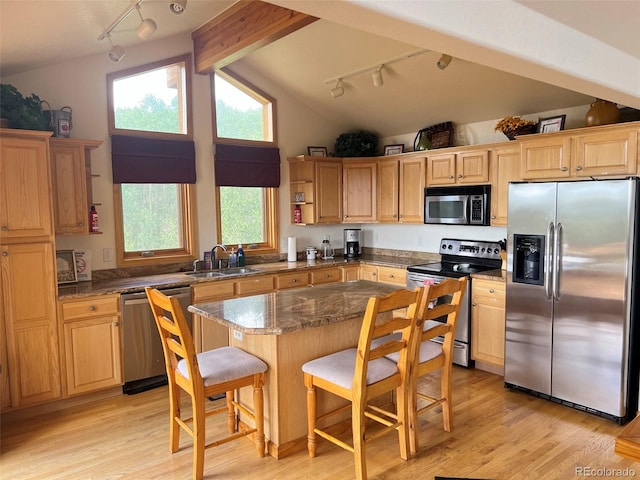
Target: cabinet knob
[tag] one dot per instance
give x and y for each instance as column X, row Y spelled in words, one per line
column 450, row 176
column 473, row 304
column 5, row 228
column 295, row 280
column 391, row 275
column 578, row 168
column 395, row 216
column 564, row 169
column 493, row 217
column 115, row 324
column 81, row 224
column 92, row 308
column 459, row 176
column 5, row 254
column 491, row 290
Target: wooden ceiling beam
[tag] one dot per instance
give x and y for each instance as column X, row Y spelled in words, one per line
column 241, row 29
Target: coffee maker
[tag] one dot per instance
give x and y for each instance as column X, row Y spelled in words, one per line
column 352, row 242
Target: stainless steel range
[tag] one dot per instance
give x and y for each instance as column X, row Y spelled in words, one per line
column 459, row 258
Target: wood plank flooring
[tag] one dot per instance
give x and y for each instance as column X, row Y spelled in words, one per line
column 498, row 434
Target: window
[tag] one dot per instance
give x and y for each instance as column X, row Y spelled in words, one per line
column 244, row 115
column 150, row 106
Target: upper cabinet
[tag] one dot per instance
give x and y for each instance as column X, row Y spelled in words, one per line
column 464, row 166
column 505, row 168
column 315, row 189
column 25, row 188
column 72, row 192
column 609, row 150
column 401, row 184
column 359, row 190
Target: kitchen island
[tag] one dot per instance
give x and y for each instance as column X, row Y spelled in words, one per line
column 286, row 329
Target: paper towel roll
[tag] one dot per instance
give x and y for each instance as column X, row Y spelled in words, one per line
column 292, row 254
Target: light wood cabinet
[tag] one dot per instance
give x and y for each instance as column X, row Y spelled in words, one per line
column 350, row 273
column 91, row 343
column 29, row 301
column 291, row 280
column 254, row 285
column 5, row 397
column 315, row 186
column 401, row 185
column 72, row 184
column 459, row 167
column 505, row 167
column 547, row 157
column 488, row 322
column 359, row 190
column 25, row 187
column 325, row 275
column 208, row 334
column 393, row 275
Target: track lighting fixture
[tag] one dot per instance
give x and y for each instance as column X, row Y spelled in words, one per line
column 338, row 90
column 376, row 76
column 146, row 27
column 116, row 53
column 444, row 61
column 178, row 6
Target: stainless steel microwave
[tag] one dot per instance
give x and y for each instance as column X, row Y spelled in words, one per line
column 468, row 205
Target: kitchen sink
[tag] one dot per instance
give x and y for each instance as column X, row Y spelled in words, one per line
column 225, row 272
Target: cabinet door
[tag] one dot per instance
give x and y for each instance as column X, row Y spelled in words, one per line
column 5, row 398
column 254, row 285
column 472, row 167
column 29, row 301
column 92, row 354
column 396, row 276
column 369, row 272
column 606, row 153
column 505, row 167
column 25, row 188
column 488, row 321
column 328, row 192
column 209, row 334
column 412, row 180
column 388, row 191
column 441, row 169
column 291, row 280
column 359, row 191
column 70, row 204
column 350, row 274
column 325, row 275
column 545, row 158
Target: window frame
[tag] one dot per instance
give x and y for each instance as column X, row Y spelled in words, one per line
column 271, row 210
column 188, row 67
column 189, row 250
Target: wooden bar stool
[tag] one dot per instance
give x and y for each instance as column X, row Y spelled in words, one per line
column 363, row 373
column 207, row 374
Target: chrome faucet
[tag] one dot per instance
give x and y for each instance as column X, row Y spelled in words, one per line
column 213, row 254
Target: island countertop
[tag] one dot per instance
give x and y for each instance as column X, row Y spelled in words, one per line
column 287, row 311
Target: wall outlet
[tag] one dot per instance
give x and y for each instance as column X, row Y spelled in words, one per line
column 237, row 335
column 107, row 255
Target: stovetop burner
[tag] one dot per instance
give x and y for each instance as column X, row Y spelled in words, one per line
column 462, row 257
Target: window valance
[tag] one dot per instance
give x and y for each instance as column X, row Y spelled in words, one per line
column 246, row 166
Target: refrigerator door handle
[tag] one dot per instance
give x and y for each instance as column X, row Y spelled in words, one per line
column 548, row 258
column 556, row 263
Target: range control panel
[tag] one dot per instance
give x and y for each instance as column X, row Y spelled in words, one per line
column 470, row 248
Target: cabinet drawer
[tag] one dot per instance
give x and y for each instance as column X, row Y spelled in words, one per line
column 487, row 288
column 326, row 275
column 292, row 280
column 92, row 307
column 212, row 291
column 251, row 286
column 392, row 275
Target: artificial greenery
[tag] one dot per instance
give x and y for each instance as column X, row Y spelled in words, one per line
column 22, row 112
column 357, row 144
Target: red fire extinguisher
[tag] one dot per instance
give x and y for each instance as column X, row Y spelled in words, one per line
column 297, row 214
column 93, row 219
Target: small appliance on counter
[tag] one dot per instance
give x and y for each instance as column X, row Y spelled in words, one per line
column 327, row 249
column 352, row 242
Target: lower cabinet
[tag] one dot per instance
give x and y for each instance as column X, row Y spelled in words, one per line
column 397, row 276
column 208, row 334
column 91, row 343
column 488, row 323
column 351, row 273
column 325, row 275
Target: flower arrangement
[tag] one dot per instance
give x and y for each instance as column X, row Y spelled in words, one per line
column 512, row 126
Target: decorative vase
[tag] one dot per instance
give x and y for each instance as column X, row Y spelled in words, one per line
column 602, row 112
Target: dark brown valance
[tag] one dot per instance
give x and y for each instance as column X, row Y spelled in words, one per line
column 152, row 160
column 242, row 166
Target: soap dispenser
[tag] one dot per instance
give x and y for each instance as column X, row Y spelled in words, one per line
column 241, row 259
column 233, row 259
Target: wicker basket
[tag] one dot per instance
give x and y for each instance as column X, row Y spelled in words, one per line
column 440, row 135
column 524, row 130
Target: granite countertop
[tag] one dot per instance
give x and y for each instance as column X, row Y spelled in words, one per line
column 497, row 275
column 181, row 279
column 286, row 311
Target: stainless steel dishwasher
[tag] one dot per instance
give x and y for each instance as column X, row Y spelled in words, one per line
column 143, row 359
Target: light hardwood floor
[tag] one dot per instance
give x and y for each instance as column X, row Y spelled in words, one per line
column 497, row 434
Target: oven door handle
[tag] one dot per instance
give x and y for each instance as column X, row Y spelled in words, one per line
column 441, row 342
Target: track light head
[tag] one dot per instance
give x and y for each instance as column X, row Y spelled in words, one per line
column 338, row 91
column 376, row 76
column 178, row 6
column 444, row 61
column 147, row 27
column 116, row 53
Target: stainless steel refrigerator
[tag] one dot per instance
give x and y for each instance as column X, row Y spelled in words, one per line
column 572, row 262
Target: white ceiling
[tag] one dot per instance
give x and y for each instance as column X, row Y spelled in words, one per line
column 415, row 94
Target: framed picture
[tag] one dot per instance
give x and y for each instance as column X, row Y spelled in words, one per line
column 317, row 151
column 393, row 149
column 298, row 196
column 66, row 266
column 551, row 124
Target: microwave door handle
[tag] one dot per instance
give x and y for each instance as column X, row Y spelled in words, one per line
column 467, row 209
column 548, row 261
